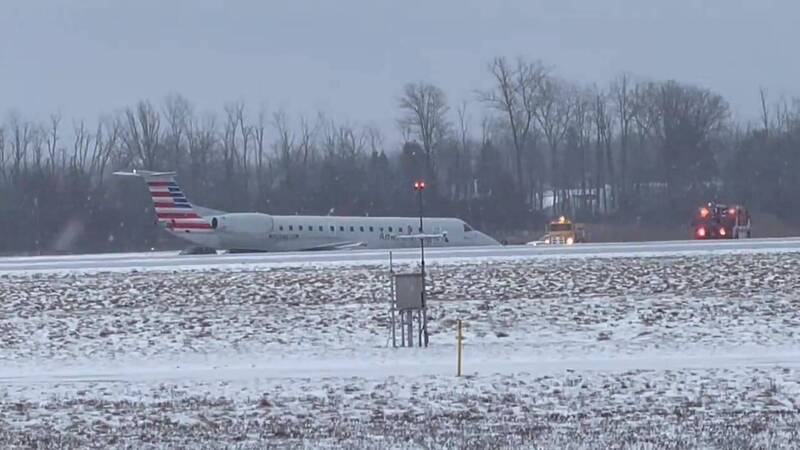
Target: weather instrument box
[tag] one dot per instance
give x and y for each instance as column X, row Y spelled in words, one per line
column 408, row 291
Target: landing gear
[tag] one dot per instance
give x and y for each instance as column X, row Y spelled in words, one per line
column 198, row 251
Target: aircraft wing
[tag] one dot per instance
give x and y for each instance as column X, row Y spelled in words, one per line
column 420, row 236
column 337, row 246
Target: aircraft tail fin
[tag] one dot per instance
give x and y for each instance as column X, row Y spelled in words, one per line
column 173, row 209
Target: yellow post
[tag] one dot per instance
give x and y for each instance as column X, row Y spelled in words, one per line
column 459, row 339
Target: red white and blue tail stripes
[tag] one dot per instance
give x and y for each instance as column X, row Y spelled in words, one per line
column 173, row 208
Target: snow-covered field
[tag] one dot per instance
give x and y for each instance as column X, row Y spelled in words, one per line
column 691, row 351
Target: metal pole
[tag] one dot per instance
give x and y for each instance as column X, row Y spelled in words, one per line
column 420, row 209
column 410, row 322
column 419, row 326
column 392, row 302
column 423, row 329
column 394, row 328
column 422, row 249
column 459, row 339
column 402, row 329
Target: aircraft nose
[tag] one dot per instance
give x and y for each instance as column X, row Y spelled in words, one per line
column 488, row 239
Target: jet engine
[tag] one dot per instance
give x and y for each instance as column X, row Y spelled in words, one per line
column 243, row 223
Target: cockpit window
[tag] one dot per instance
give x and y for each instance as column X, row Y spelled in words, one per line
column 467, row 228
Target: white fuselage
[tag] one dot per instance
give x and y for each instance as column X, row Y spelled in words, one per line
column 264, row 232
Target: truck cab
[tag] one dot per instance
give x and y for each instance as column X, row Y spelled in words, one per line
column 564, row 231
column 718, row 221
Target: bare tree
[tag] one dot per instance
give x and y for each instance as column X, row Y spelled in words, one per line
column 106, row 142
column 203, row 138
column 230, row 147
column 406, row 133
column 246, row 134
column 350, row 142
column 141, row 134
column 580, row 135
column 306, row 146
column 52, row 143
column 178, row 115
column 505, row 98
column 783, row 115
column 259, row 134
column 345, row 142
column 38, row 145
column 604, row 161
column 425, row 108
column 645, row 117
column 553, row 113
column 80, row 146
column 463, row 154
column 764, row 111
column 21, row 134
column 515, row 95
column 284, row 145
column 328, row 136
column 375, row 139
column 690, row 118
column 623, row 98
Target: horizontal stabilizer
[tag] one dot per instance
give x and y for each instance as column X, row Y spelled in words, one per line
column 145, row 174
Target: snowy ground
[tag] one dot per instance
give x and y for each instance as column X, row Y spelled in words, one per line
column 671, row 352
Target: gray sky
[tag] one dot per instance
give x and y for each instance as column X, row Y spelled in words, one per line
column 351, row 58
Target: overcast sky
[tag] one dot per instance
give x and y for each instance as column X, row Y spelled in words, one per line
column 350, row 58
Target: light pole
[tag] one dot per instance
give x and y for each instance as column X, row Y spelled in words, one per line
column 419, row 186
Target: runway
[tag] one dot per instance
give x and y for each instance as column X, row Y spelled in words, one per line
column 174, row 261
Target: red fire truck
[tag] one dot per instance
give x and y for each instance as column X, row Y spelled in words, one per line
column 716, row 221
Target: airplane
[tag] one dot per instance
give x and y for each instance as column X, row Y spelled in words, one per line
column 259, row 232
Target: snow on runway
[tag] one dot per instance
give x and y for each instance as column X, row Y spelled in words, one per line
column 379, row 364
column 665, row 345
column 172, row 260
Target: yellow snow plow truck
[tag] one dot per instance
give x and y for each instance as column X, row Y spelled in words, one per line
column 563, row 231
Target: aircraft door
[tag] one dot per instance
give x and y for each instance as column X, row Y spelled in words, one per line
column 268, row 225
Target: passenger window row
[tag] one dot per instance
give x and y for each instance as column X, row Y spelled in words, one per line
column 353, row 229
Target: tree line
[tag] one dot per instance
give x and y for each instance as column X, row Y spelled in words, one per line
column 530, row 146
